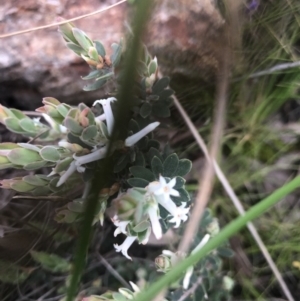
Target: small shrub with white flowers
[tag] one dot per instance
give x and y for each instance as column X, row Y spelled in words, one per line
column 145, row 192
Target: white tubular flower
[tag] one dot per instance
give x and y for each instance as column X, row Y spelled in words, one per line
column 91, row 157
column 154, row 219
column 107, row 112
column 180, row 215
column 67, row 174
column 135, row 288
column 100, row 118
column 201, row 244
column 121, row 226
column 166, row 189
column 187, row 277
column 123, row 248
column 190, row 270
column 162, row 191
column 133, row 139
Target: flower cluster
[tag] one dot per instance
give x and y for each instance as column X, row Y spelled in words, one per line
column 99, row 150
column 137, row 212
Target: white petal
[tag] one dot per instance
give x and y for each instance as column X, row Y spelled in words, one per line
column 108, row 112
column 203, row 242
column 125, row 246
column 187, row 277
column 91, row 157
column 168, row 204
column 172, row 183
column 162, row 181
column 154, row 219
column 131, row 140
column 134, row 287
column 67, row 174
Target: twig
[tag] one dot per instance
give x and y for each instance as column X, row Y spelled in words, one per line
column 191, row 290
column 113, row 271
column 206, row 183
column 61, row 22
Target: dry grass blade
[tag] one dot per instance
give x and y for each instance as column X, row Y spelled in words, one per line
column 61, row 22
column 238, row 205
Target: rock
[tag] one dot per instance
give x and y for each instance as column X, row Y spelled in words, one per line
column 38, row 64
column 184, row 36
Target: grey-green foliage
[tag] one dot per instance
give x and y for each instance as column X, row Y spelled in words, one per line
column 211, row 283
column 85, row 133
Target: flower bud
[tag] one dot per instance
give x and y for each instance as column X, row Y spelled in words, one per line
column 163, row 263
column 93, row 54
column 228, row 283
column 213, row 228
column 125, row 206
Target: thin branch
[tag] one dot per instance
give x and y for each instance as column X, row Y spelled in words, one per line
column 191, row 290
column 61, row 22
column 112, row 271
column 207, row 179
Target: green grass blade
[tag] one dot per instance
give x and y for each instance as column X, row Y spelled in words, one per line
column 124, row 97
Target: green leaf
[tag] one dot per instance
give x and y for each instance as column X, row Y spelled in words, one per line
column 139, row 159
column 164, row 94
column 72, row 125
column 76, row 206
column 21, row 156
column 50, row 153
column 82, row 39
column 142, row 172
column 170, row 165
column 28, row 125
column 93, row 74
column 121, row 163
column 133, row 126
column 89, row 133
column 35, row 165
column 183, row 196
column 153, row 143
column 13, row 125
column 34, row 180
column 144, row 225
column 160, row 110
column 225, row 252
column 21, row 186
column 63, row 164
column 184, row 167
column 30, row 146
column 157, row 167
column 96, row 85
column 100, row 48
column 153, row 152
column 41, row 190
column 152, row 67
column 117, row 297
column 13, row 274
column 145, row 110
column 136, row 182
column 51, row 262
column 63, row 109
column 116, row 55
column 77, row 49
column 160, row 85
column 18, row 114
column 179, row 183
